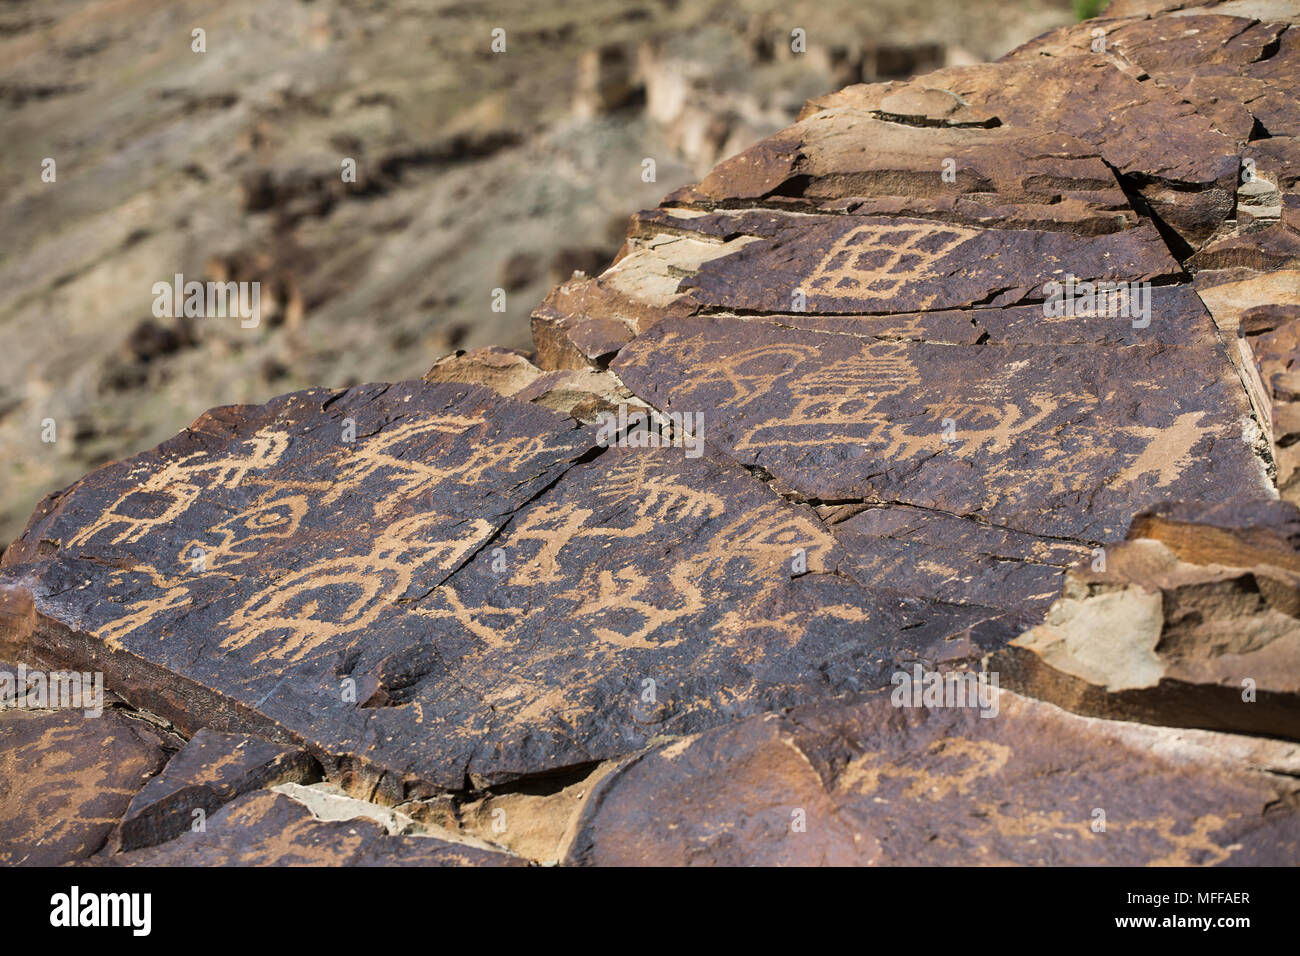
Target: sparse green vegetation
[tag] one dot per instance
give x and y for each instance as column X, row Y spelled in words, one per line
column 1087, row 9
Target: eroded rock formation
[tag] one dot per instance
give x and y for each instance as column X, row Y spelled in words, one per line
column 494, row 616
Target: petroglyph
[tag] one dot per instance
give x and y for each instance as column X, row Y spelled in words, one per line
column 316, row 561
column 294, row 616
column 173, row 489
column 874, row 261
column 477, row 591
column 877, row 785
column 1039, row 438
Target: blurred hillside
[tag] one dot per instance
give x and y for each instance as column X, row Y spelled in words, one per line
column 475, row 171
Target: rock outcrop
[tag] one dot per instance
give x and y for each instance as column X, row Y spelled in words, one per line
column 380, row 171
column 67, row 779
column 1188, row 623
column 916, row 488
column 871, row 784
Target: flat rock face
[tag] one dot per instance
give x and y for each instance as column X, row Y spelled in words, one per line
column 274, row 539
column 823, row 431
column 955, row 559
column 1176, row 158
column 872, row 265
column 871, row 784
column 211, row 769
column 449, row 595
column 1061, row 441
column 66, row 779
column 266, row 828
column 845, row 158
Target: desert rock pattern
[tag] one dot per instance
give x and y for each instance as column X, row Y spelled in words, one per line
column 729, row 568
column 474, row 171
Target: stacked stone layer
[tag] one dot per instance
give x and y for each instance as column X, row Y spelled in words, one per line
column 363, row 626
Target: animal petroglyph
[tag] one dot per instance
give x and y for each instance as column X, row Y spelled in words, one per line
column 303, row 610
column 170, row 491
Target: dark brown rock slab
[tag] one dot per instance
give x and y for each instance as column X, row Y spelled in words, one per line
column 266, row 828
column 873, row 784
column 1057, row 441
column 470, row 589
column 226, row 578
column 1172, row 49
column 66, row 779
column 1176, row 317
column 652, row 593
column 1236, row 71
column 817, row 269
column 1274, row 247
column 866, row 264
column 210, row 770
column 1181, row 165
column 856, row 161
column 1231, row 66
column 954, row 559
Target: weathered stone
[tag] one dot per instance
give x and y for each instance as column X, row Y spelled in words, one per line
column 1256, row 309
column 1182, row 166
column 1230, row 68
column 932, row 107
column 66, row 779
column 851, row 159
column 1270, row 345
column 1231, row 292
column 583, row 322
column 211, row 770
column 267, row 828
column 874, row 265
column 536, row 819
column 274, row 538
column 871, row 784
column 581, row 392
column 1277, row 246
column 497, row 594
column 949, row 558
column 397, row 605
column 505, row 371
column 1060, row 441
column 1264, row 234
column 1235, row 533
column 1209, row 637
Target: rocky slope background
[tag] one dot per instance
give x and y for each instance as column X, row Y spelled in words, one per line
column 475, row 171
column 816, row 529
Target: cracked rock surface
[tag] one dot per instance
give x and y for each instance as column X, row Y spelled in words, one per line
column 467, row 620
